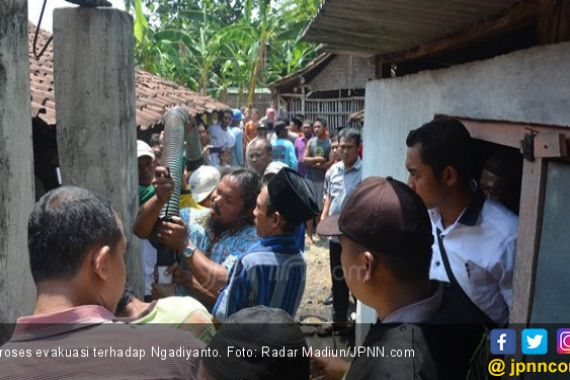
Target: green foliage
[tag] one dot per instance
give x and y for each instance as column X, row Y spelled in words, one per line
column 212, row 45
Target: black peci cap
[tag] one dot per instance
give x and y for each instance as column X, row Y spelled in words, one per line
column 291, row 195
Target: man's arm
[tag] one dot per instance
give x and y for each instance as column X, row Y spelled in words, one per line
column 311, row 161
column 503, row 268
column 185, row 279
column 327, row 164
column 147, row 215
column 210, row 275
column 326, row 193
column 326, row 207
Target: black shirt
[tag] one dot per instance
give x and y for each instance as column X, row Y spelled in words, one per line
column 440, row 347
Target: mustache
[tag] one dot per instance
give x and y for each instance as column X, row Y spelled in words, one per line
column 215, row 209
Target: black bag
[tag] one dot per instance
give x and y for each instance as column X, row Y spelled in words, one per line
column 458, row 291
column 481, row 355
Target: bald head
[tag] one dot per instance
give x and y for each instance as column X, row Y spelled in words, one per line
column 259, row 155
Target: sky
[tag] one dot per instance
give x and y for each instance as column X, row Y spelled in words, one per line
column 35, row 7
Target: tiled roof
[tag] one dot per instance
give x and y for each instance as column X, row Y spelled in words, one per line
column 154, row 95
column 41, row 77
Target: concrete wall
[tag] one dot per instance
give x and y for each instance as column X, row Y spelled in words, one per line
column 528, row 86
column 17, row 292
column 343, row 72
column 95, row 97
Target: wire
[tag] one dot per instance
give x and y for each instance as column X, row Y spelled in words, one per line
column 36, row 34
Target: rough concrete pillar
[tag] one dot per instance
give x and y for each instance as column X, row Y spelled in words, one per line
column 95, row 98
column 17, row 291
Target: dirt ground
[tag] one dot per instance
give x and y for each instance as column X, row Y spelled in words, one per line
column 312, row 313
column 318, row 284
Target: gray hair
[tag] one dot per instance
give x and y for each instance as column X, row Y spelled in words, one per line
column 350, row 133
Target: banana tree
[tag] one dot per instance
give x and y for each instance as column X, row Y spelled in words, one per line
column 210, row 45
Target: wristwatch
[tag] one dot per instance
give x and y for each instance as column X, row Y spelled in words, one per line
column 189, row 250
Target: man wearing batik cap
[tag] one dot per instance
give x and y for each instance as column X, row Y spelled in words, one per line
column 273, row 336
column 272, row 272
column 386, row 251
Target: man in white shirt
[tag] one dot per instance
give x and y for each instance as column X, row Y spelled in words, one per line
column 221, row 138
column 478, row 235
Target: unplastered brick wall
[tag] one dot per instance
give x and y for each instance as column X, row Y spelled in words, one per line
column 343, row 72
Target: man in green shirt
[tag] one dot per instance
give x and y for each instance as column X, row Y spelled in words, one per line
column 145, row 157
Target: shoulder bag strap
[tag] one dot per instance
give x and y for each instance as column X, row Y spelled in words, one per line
column 448, row 270
column 455, row 284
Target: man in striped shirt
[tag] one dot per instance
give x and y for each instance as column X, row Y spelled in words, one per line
column 272, row 272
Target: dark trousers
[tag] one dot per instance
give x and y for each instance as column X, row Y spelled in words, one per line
column 339, row 288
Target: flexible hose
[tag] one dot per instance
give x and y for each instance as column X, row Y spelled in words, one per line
column 175, row 122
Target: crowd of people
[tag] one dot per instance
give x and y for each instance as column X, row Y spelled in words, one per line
column 427, row 256
column 256, row 146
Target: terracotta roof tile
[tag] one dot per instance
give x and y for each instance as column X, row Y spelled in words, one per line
column 154, row 95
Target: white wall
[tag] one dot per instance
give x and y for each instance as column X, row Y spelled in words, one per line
column 528, row 86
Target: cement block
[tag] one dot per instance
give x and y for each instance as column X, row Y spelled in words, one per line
column 16, row 163
column 95, row 97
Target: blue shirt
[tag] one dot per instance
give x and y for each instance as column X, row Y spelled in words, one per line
column 284, row 151
column 300, row 236
column 271, row 273
column 225, row 248
column 237, row 151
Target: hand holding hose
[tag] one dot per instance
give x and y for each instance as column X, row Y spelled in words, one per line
column 172, row 234
column 163, row 183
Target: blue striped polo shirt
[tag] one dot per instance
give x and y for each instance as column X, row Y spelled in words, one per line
column 270, row 273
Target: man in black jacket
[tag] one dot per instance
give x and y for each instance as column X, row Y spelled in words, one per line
column 425, row 331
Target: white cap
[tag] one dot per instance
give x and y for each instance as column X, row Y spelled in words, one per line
column 144, row 150
column 203, row 181
column 274, row 167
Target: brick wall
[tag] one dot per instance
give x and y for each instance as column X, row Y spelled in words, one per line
column 343, row 72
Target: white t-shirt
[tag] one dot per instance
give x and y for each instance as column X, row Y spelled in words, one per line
column 148, row 253
column 220, row 138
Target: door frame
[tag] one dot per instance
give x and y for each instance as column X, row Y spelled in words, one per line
column 543, row 142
